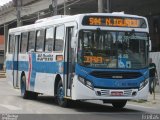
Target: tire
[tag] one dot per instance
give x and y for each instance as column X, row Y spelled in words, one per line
column 60, row 100
column 24, row 93
column 119, row 104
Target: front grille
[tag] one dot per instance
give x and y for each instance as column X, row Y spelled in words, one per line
column 115, row 75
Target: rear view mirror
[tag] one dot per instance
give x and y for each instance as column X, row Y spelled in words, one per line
column 150, row 45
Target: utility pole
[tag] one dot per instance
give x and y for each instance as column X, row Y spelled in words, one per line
column 38, row 14
column 54, row 5
column 108, row 6
column 18, row 8
column 100, row 6
column 65, row 7
column 5, row 41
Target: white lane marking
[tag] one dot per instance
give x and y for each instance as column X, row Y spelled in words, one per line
column 10, row 107
column 140, row 106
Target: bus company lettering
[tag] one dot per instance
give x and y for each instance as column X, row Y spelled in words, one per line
column 44, row 57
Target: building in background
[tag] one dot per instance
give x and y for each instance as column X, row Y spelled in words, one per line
column 1, row 51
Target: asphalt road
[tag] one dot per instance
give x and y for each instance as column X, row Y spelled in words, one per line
column 12, row 106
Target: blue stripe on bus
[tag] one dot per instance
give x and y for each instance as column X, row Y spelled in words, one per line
column 43, row 67
column 23, row 65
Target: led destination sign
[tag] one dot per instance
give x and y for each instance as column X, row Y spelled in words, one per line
column 114, row 21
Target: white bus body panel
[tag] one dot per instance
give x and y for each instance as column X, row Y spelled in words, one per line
column 44, row 83
column 9, row 73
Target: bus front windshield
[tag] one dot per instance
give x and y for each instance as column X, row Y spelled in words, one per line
column 107, row 49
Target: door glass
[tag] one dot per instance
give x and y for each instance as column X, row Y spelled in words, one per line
column 70, row 57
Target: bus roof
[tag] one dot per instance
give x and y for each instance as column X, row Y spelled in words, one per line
column 50, row 21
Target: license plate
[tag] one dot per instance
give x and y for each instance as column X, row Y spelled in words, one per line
column 116, row 93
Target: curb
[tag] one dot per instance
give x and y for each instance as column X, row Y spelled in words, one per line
column 2, row 74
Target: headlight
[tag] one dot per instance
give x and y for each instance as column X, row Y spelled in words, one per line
column 81, row 80
column 85, row 82
column 89, row 84
column 143, row 84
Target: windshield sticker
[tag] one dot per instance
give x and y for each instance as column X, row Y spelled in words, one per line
column 125, row 56
column 121, row 62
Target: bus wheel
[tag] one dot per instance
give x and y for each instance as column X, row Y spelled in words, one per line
column 60, row 95
column 119, row 104
column 24, row 93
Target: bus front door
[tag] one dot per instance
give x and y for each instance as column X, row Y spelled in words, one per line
column 69, row 59
column 15, row 62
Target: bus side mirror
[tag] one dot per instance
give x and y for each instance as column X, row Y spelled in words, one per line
column 150, row 45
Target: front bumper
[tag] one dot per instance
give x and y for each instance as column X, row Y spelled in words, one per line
column 81, row 92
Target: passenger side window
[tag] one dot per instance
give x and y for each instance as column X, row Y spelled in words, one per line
column 49, row 39
column 59, row 38
column 31, row 44
column 24, row 42
column 40, row 40
column 11, row 44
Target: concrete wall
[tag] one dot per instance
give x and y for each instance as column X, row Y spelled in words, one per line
column 156, row 59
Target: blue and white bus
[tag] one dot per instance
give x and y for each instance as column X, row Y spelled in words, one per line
column 95, row 56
